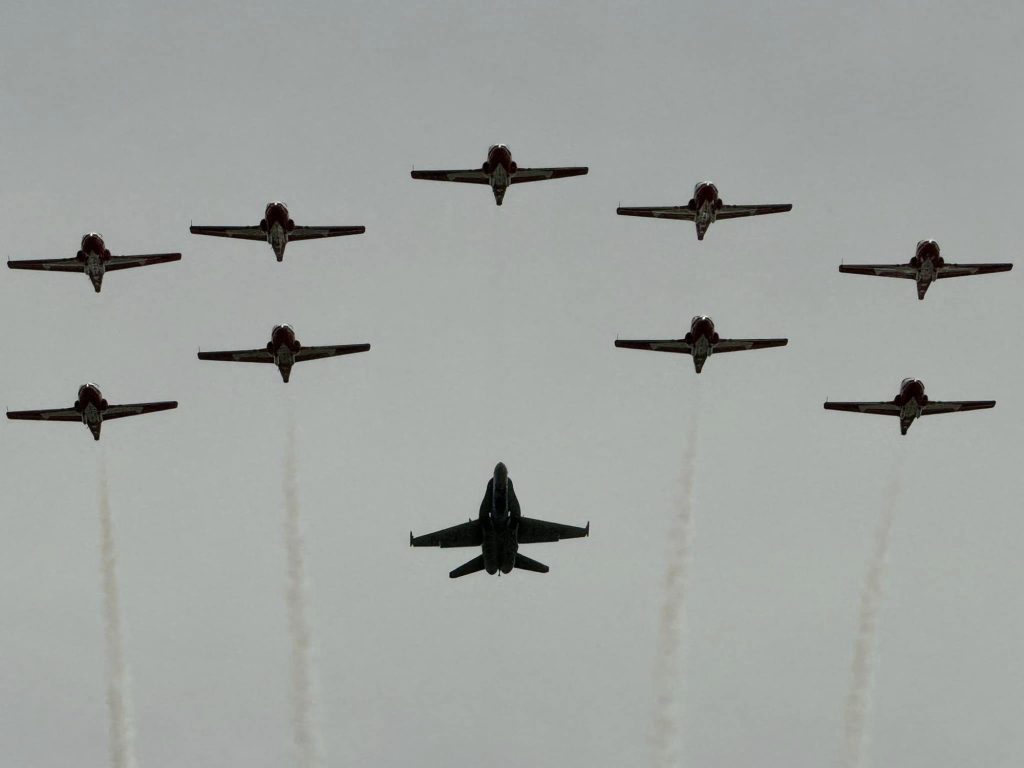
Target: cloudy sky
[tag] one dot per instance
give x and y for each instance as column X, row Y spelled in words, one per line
column 492, row 333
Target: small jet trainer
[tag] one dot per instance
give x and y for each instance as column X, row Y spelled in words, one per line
column 701, row 342
column 925, row 267
column 499, row 170
column 910, row 403
column 499, row 530
column 278, row 229
column 283, row 350
column 94, row 260
column 92, row 410
column 704, row 209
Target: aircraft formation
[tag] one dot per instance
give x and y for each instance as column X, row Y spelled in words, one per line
column 499, row 527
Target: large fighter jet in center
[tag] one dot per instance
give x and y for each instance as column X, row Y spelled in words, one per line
column 704, row 209
column 95, row 260
column 909, row 403
column 498, row 171
column 284, row 350
column 499, row 530
column 924, row 268
column 92, row 409
column 701, row 342
column 278, row 229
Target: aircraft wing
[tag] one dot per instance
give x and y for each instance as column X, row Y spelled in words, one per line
column 881, row 408
column 126, row 262
column 678, row 212
column 963, row 270
column 462, row 535
column 739, row 345
column 315, row 353
column 880, row 270
column 313, row 233
column 261, row 355
column 240, row 233
column 50, row 265
column 136, row 409
column 538, row 531
column 470, row 176
column 738, row 211
column 666, row 345
column 53, row 414
column 953, row 406
column 543, row 174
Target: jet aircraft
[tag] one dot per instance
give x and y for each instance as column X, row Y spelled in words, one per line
column 499, row 530
column 924, row 268
column 701, row 342
column 704, row 209
column 92, row 409
column 284, row 350
column 910, row 403
column 499, row 170
column 94, row 260
column 278, row 229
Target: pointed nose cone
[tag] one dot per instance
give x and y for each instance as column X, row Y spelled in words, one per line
column 500, row 473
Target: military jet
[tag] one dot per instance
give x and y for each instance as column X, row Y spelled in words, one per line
column 910, row 403
column 704, row 209
column 278, row 229
column 499, row 530
column 701, row 342
column 94, row 260
column 499, row 170
column 924, row 268
column 283, row 350
column 92, row 409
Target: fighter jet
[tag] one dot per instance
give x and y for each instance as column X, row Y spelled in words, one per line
column 499, row 530
column 92, row 410
column 278, row 229
column 94, row 260
column 701, row 342
column 499, row 170
column 926, row 266
column 283, row 350
column 704, row 209
column 910, row 403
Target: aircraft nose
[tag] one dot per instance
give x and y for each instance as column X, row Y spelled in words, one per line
column 500, row 471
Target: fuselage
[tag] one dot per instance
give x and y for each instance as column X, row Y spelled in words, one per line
column 283, row 345
column 702, row 336
column 911, row 399
column 499, row 522
column 277, row 224
column 705, row 204
column 94, row 255
column 500, row 167
column 91, row 405
column 927, row 260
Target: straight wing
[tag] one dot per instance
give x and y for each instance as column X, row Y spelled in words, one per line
column 543, row 174
column 538, row 531
column 470, row 176
column 739, row 345
column 126, row 262
column 667, row 345
column 738, row 211
column 136, row 409
column 313, row 233
column 963, row 270
column 880, row 270
column 53, row 414
column 882, row 408
column 315, row 353
column 678, row 212
column 50, row 265
column 933, row 407
column 262, row 355
column 462, row 535
column 240, row 233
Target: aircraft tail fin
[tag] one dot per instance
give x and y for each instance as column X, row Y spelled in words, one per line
column 526, row 564
column 473, row 566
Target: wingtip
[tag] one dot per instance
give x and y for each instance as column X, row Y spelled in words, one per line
column 410, row 538
column 588, row 528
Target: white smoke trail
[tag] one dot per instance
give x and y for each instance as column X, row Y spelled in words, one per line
column 304, row 722
column 668, row 669
column 858, row 698
column 122, row 754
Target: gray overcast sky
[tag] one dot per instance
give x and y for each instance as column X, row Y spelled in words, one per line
column 492, row 336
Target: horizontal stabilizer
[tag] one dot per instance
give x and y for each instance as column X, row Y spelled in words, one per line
column 526, row 564
column 473, row 566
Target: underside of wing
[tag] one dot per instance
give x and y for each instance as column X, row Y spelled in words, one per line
column 262, row 355
column 880, row 408
column 964, row 270
column 739, row 211
column 880, row 270
column 315, row 353
column 740, row 345
column 934, row 407
column 136, row 409
column 240, row 233
column 52, row 414
column 543, row 174
column 469, row 176
column 50, row 265
column 678, row 212
column 538, row 531
column 462, row 535
column 127, row 262
column 313, row 233
column 665, row 345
